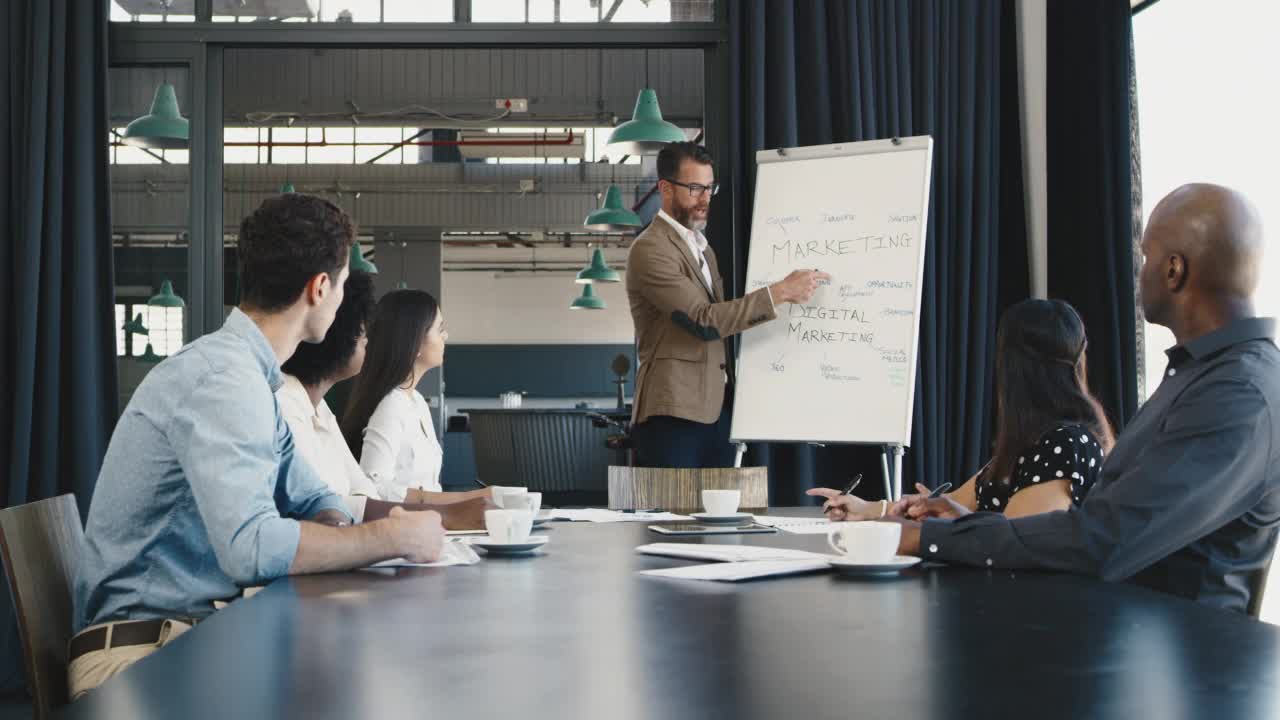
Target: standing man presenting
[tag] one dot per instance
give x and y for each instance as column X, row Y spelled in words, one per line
column 684, row 389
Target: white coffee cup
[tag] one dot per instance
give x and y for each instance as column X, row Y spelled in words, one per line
column 508, row 526
column 868, row 542
column 531, row 501
column 721, row 502
column 502, row 492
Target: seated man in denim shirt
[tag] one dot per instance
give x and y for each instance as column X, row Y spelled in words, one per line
column 200, row 492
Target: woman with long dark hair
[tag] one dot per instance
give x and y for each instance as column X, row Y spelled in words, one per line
column 388, row 423
column 309, row 374
column 1051, row 433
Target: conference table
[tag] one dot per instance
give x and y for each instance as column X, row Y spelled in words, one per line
column 575, row 632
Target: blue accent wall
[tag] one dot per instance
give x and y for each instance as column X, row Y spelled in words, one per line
column 542, row 371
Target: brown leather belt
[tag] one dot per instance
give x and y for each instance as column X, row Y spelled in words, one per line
column 124, row 633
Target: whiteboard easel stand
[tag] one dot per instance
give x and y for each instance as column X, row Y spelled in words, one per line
column 892, row 471
column 892, row 482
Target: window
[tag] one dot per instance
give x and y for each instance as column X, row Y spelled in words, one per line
column 341, row 152
column 1200, row 120
column 121, row 319
column 241, row 146
column 147, row 11
column 419, row 11
column 590, row 11
column 121, row 153
column 346, row 145
column 1205, row 99
column 379, row 145
column 164, row 329
column 346, row 11
column 164, row 325
column 150, row 241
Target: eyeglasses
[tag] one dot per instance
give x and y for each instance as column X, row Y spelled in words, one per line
column 696, row 190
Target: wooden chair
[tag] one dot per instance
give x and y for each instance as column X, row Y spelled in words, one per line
column 41, row 545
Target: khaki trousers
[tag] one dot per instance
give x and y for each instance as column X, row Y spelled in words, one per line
column 96, row 667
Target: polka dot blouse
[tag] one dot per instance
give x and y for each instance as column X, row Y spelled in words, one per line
column 1068, row 452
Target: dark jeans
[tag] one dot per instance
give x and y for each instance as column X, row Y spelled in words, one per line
column 671, row 442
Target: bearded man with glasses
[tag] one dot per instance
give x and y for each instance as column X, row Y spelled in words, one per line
column 684, row 384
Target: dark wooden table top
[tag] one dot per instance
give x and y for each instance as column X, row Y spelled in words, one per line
column 576, row 633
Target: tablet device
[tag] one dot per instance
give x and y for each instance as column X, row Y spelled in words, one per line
column 695, row 529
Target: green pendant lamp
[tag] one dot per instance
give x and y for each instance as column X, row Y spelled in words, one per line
column 136, row 327
column 149, row 356
column 287, row 187
column 646, row 132
column 358, row 262
column 598, row 271
column 164, row 128
column 587, row 300
column 166, row 298
column 402, row 285
column 612, row 216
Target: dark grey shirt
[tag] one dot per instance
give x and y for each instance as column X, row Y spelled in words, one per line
column 1189, row 499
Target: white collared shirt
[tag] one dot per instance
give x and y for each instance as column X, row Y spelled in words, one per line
column 401, row 450
column 697, row 243
column 318, row 440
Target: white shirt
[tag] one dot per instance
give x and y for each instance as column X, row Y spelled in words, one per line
column 318, row 440
column 400, row 446
column 697, row 243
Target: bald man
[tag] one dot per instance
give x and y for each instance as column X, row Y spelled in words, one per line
column 1188, row 502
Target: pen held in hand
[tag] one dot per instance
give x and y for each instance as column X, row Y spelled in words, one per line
column 853, row 485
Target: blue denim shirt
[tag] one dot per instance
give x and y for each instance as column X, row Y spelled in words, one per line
column 200, row 486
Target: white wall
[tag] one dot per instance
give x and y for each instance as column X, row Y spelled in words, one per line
column 527, row 308
column 1032, row 72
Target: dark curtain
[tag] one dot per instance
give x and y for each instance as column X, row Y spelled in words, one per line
column 810, row 73
column 56, row 312
column 1090, row 188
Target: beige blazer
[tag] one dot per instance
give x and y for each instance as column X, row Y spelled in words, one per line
column 682, row 326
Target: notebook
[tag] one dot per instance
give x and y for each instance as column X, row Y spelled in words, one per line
column 727, row 553
column 798, row 525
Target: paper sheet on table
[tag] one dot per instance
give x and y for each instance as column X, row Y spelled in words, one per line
column 798, row 525
column 727, row 553
column 455, row 553
column 737, row 571
column 600, row 515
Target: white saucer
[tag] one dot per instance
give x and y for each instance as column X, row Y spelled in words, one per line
column 731, row 519
column 848, row 567
column 509, row 548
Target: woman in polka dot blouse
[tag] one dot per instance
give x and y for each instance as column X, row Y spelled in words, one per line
column 1051, row 434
